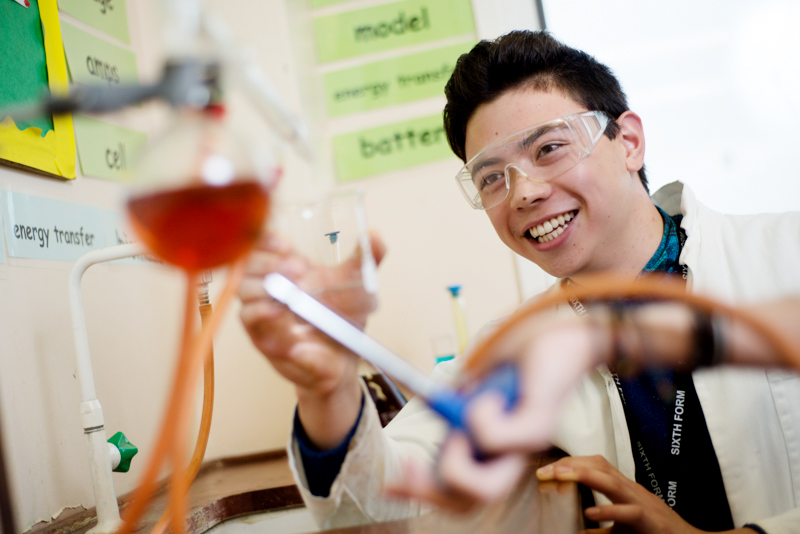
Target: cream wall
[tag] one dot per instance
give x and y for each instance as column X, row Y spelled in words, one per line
column 133, row 312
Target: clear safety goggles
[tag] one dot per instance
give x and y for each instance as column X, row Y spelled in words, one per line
column 539, row 153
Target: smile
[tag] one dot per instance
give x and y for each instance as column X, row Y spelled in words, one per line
column 549, row 230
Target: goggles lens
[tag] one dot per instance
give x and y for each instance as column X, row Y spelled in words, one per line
column 540, row 152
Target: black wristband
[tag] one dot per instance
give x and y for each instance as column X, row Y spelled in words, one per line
column 709, row 348
column 621, row 328
column 755, row 527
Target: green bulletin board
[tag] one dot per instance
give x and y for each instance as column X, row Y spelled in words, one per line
column 24, row 67
column 32, row 63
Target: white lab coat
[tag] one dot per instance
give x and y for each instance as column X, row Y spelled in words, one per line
column 753, row 416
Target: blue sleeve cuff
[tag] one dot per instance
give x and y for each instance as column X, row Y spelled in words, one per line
column 322, row 467
column 755, row 527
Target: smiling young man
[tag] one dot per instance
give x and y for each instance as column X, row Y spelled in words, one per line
column 555, row 158
column 613, row 224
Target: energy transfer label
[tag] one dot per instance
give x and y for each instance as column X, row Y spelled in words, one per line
column 48, row 229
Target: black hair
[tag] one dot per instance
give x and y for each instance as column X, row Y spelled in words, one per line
column 534, row 60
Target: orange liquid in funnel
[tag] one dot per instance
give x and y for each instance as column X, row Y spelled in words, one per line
column 201, row 227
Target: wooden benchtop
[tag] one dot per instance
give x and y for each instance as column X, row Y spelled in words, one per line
column 223, row 489
column 229, row 488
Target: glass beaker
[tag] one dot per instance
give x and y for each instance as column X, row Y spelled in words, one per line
column 329, row 233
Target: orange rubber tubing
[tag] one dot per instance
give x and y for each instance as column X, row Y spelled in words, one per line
column 143, row 493
column 612, row 288
column 170, row 442
column 205, row 419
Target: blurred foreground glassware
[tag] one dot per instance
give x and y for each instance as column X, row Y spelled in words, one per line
column 200, row 202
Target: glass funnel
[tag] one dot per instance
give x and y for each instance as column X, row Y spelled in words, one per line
column 200, row 202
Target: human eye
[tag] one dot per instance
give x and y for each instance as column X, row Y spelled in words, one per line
column 548, row 147
column 547, row 150
column 490, row 181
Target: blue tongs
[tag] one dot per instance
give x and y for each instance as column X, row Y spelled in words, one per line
column 444, row 400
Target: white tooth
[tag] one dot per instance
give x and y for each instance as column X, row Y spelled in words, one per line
column 534, row 233
column 540, row 239
column 540, row 229
column 554, row 222
column 561, row 220
column 560, row 230
column 568, row 217
column 547, row 227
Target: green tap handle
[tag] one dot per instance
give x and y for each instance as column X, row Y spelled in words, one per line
column 127, row 451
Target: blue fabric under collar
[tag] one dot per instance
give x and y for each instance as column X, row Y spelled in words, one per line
column 666, row 257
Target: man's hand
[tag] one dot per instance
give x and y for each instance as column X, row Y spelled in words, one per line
column 458, row 482
column 634, row 509
column 325, row 374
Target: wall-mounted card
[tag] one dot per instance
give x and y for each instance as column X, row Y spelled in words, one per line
column 106, row 150
column 389, row 26
column 49, row 229
column 389, row 148
column 392, row 81
column 108, row 16
column 93, row 61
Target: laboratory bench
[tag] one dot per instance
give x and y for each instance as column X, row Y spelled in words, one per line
column 231, row 488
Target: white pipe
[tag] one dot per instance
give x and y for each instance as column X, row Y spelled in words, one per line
column 91, row 412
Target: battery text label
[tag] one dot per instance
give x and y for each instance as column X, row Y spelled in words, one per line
column 408, row 140
column 392, row 147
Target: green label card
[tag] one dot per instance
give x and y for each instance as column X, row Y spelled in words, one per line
column 322, row 3
column 108, row 16
column 105, row 150
column 94, row 61
column 393, row 81
column 385, row 27
column 389, row 148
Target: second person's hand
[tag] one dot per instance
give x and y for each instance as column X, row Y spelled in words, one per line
column 324, row 373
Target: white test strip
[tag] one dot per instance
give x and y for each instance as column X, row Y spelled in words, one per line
column 301, row 303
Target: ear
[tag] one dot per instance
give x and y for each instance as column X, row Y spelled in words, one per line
column 632, row 139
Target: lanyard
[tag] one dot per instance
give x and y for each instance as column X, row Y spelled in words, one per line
column 671, row 446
